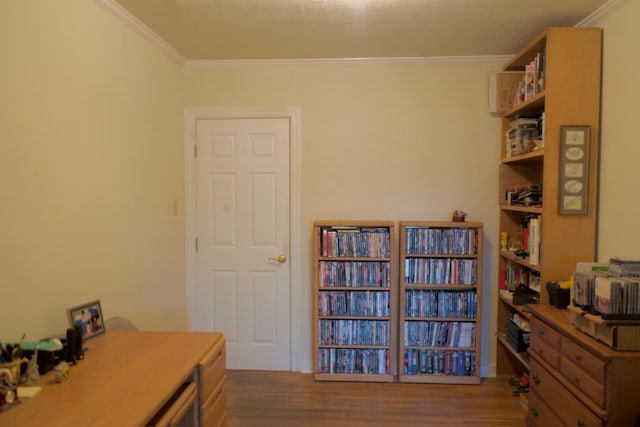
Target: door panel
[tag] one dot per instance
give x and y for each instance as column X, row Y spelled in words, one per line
column 242, row 214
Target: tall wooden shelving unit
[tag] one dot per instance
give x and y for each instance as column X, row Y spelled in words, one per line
column 570, row 96
column 354, row 301
column 440, row 298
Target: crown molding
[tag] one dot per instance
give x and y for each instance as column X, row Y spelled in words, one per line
column 143, row 29
column 206, row 64
column 601, row 12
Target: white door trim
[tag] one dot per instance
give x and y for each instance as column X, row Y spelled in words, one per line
column 191, row 115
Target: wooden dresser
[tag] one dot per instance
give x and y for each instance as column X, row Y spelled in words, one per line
column 576, row 380
column 134, row 378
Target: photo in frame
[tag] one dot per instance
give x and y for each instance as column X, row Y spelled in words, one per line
column 89, row 317
column 573, row 184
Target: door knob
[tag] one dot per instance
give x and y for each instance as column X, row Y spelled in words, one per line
column 282, row 258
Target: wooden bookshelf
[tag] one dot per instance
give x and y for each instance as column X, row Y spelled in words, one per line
column 354, row 301
column 440, row 299
column 570, row 95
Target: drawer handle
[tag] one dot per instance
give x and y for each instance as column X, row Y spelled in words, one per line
column 578, row 358
column 535, row 411
column 576, row 381
column 536, row 379
column 581, row 423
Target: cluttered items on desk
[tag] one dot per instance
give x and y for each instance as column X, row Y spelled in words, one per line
column 22, row 363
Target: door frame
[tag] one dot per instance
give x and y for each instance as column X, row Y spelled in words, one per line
column 191, row 116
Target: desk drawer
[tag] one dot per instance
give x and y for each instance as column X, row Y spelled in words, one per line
column 214, row 410
column 212, row 369
column 564, row 404
column 179, row 411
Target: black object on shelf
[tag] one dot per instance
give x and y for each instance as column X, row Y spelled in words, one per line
column 558, row 297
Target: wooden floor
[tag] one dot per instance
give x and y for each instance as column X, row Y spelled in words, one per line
column 287, row 399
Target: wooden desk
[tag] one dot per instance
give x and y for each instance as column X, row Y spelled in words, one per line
column 125, row 379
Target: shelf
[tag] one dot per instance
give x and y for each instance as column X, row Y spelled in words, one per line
column 521, row 309
column 533, row 105
column 438, row 319
column 346, row 258
column 351, row 317
column 382, row 378
column 419, row 347
column 524, row 209
column 536, row 156
column 429, row 303
column 358, row 347
column 441, row 256
column 522, row 261
column 345, row 352
column 353, row 288
column 571, row 61
column 438, row 379
column 437, row 287
column 503, row 340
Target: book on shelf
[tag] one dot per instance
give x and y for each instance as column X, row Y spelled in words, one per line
column 534, row 240
column 529, row 81
column 540, row 70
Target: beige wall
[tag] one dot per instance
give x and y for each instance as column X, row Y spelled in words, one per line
column 387, row 141
column 620, row 150
column 91, row 159
column 90, row 163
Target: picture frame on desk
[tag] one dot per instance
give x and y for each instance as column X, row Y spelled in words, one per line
column 89, row 317
column 574, row 170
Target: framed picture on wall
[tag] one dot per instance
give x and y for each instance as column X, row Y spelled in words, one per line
column 89, row 317
column 574, row 170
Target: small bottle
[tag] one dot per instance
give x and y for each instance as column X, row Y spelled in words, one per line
column 504, row 241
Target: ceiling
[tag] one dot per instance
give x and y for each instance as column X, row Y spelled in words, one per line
column 329, row 29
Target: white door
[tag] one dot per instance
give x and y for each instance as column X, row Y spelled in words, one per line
column 242, row 210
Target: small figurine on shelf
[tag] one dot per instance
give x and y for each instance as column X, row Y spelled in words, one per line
column 458, row 216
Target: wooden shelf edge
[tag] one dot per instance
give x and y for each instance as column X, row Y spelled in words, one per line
column 503, row 340
column 522, row 309
column 355, row 346
column 438, row 379
column 350, row 258
column 353, row 288
column 452, row 256
column 537, row 155
column 524, row 209
column 382, row 378
column 522, row 261
column 439, row 319
column 529, row 106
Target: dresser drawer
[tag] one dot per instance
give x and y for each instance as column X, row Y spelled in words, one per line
column 542, row 331
column 211, row 370
column 590, row 364
column 549, row 354
column 214, row 410
column 582, row 381
column 539, row 413
column 559, row 400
